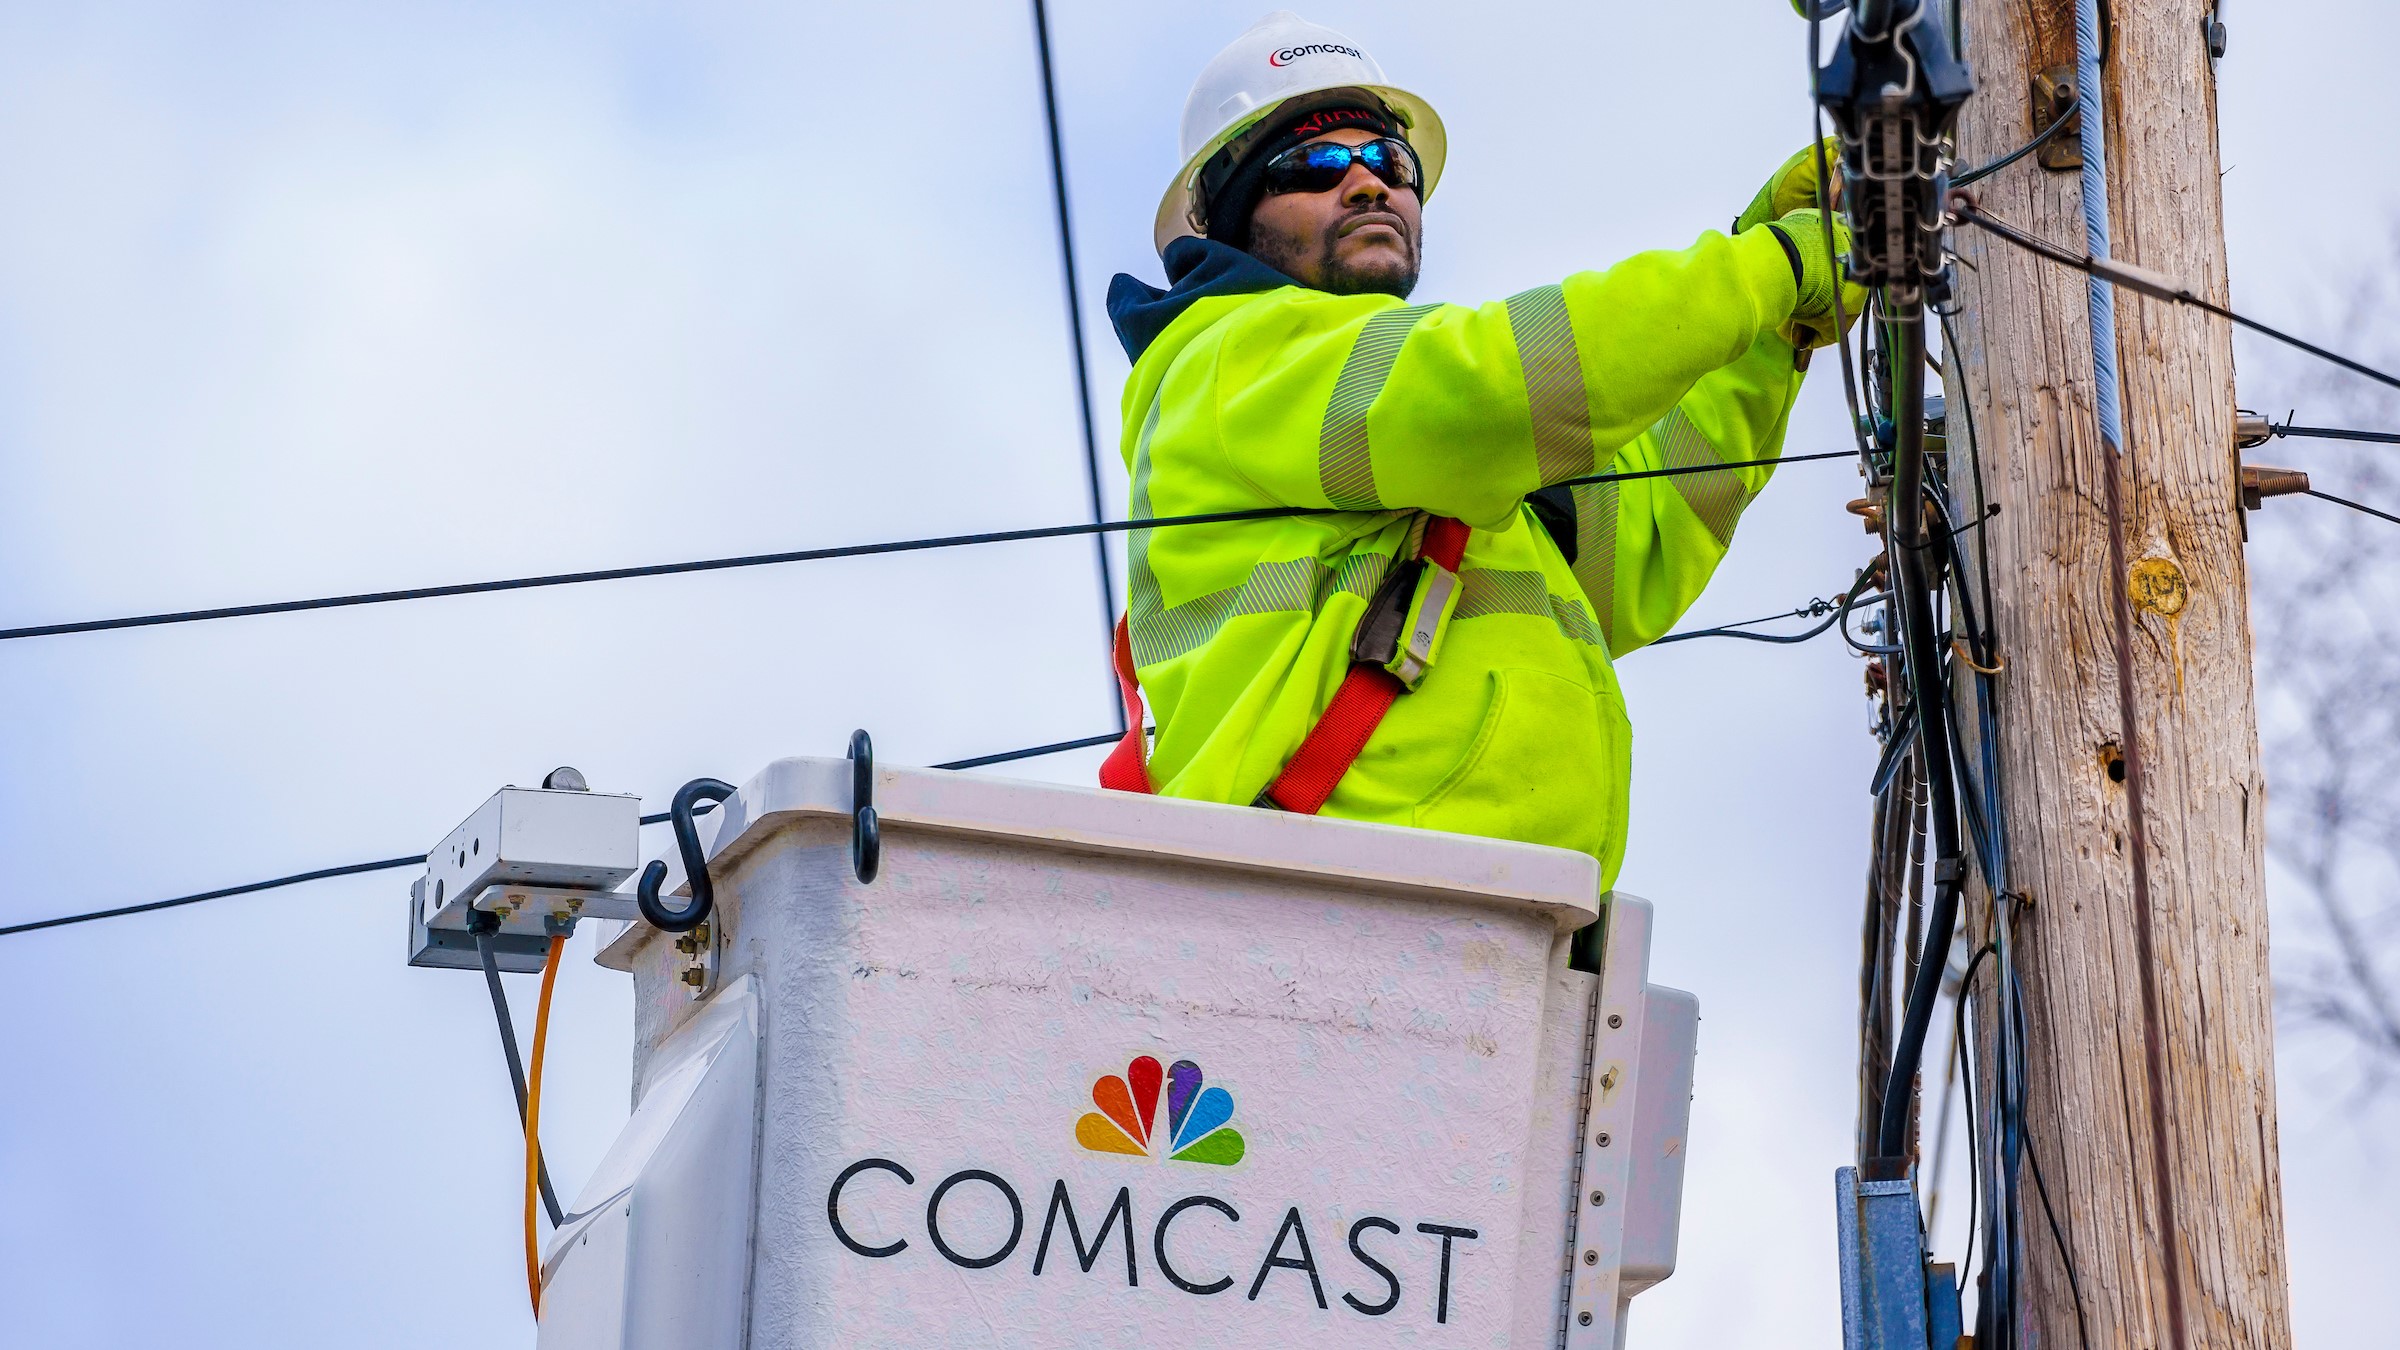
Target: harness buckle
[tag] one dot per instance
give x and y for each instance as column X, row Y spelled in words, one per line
column 1436, row 593
column 1402, row 628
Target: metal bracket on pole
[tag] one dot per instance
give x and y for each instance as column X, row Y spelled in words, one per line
column 1892, row 1297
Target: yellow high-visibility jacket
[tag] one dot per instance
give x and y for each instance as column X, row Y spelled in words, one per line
column 1249, row 390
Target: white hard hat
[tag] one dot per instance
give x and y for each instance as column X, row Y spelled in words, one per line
column 1282, row 58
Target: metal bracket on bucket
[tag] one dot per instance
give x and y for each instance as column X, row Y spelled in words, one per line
column 1629, row 1176
column 695, row 862
column 866, row 831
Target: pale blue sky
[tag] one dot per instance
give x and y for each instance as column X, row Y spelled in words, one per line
column 301, row 299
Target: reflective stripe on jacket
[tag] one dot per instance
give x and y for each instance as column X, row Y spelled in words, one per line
column 1249, row 390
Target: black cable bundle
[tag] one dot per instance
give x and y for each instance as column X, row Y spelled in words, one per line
column 1937, row 798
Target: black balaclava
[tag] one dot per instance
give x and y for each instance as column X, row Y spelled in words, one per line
column 1234, row 180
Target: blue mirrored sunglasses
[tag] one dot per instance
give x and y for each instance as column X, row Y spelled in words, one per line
column 1320, row 166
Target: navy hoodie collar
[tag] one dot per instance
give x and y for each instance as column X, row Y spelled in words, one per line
column 1196, row 269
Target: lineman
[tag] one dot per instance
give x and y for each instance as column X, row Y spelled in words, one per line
column 1435, row 648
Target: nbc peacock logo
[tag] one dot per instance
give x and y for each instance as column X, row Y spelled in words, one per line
column 1198, row 1127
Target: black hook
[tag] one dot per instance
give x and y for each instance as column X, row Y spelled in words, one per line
column 695, row 863
column 866, row 835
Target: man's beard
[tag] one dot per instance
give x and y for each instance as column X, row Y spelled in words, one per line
column 1333, row 276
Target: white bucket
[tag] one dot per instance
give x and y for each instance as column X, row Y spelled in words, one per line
column 1084, row 1068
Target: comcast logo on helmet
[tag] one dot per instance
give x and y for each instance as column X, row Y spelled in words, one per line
column 1284, row 56
column 1197, row 1128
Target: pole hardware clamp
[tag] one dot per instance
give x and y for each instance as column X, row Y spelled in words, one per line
column 1893, row 87
column 866, row 832
column 695, row 862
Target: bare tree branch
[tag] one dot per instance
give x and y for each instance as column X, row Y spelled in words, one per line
column 2326, row 603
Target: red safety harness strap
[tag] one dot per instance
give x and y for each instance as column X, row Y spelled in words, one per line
column 1332, row 745
column 1330, row 748
column 1125, row 769
column 1335, row 742
column 1366, row 694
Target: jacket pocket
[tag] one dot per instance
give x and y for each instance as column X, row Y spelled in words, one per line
column 1547, row 766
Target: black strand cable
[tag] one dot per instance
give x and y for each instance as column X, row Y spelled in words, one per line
column 2009, row 1036
column 516, row 1066
column 2083, row 1333
column 1978, row 635
column 1833, row 610
column 321, row 874
column 1958, row 1043
column 813, row 555
column 2144, row 282
column 1983, row 509
column 1031, row 752
column 1999, row 1243
column 1623, row 476
column 2355, row 506
column 1873, row 931
column 1979, row 830
column 387, row 864
column 1988, row 841
column 975, row 762
column 2335, row 434
column 1083, row 362
column 1981, row 171
column 1871, row 649
column 1929, row 691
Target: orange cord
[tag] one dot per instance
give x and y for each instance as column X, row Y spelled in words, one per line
column 533, row 1120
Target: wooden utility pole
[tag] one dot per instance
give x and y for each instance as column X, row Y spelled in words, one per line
column 2151, row 1106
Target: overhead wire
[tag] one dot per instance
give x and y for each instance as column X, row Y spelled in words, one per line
column 1031, row 752
column 2355, row 506
column 2145, row 282
column 1839, row 611
column 646, row 570
column 1983, row 506
column 1096, row 527
column 387, row 864
column 223, row 893
column 972, row 762
column 1834, row 610
column 1083, row 361
column 2332, row 433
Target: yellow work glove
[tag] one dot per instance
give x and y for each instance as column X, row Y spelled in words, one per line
column 1821, row 271
column 1793, row 186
